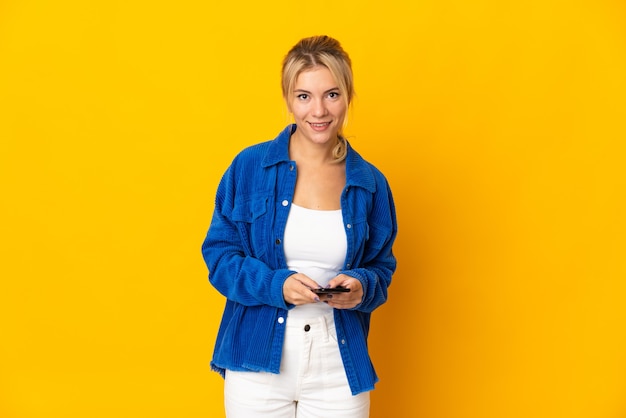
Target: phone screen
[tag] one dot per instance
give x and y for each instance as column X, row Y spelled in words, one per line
column 325, row 291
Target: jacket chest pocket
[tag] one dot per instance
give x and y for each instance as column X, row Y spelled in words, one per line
column 251, row 217
column 369, row 240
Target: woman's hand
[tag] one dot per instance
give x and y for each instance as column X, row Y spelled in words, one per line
column 345, row 300
column 297, row 289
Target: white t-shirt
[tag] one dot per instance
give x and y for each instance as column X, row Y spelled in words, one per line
column 315, row 244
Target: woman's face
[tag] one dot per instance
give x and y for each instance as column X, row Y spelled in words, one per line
column 317, row 106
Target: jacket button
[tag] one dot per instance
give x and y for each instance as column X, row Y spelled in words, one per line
column 307, row 327
column 285, row 202
column 349, row 226
column 281, row 319
column 277, row 241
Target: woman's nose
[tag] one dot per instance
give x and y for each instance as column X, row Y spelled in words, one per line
column 319, row 108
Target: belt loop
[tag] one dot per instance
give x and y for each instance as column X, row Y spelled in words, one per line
column 324, row 326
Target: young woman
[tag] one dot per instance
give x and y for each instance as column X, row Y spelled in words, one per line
column 300, row 245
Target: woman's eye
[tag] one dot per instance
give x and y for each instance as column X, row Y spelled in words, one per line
column 333, row 95
column 303, row 96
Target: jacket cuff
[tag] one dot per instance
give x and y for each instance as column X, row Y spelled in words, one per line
column 276, row 290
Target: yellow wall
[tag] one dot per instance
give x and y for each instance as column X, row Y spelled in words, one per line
column 500, row 125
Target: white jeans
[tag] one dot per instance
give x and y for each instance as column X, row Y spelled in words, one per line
column 312, row 381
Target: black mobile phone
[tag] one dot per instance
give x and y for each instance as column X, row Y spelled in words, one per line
column 326, row 291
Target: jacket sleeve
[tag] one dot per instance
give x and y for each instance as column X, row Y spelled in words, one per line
column 379, row 262
column 227, row 252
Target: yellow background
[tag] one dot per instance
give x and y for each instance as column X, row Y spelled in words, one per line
column 500, row 125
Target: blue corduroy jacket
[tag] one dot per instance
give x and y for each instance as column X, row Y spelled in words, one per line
column 244, row 254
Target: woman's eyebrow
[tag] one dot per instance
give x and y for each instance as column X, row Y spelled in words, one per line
column 308, row 92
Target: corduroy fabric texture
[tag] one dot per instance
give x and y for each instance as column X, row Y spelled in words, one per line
column 245, row 258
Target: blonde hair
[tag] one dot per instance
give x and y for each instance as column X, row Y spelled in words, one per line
column 325, row 51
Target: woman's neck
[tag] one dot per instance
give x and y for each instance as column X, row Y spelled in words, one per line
column 314, row 154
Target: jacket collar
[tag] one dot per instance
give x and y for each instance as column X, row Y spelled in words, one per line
column 358, row 171
column 278, row 150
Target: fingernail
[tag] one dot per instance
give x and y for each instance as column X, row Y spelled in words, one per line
column 317, row 299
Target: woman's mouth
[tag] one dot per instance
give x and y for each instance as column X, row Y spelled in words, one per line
column 319, row 126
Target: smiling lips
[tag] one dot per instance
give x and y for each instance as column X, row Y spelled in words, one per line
column 319, row 126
